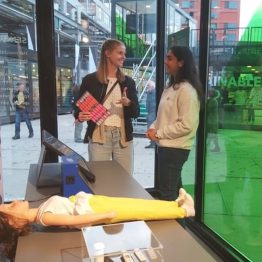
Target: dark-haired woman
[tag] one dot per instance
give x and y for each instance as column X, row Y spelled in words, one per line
column 177, row 120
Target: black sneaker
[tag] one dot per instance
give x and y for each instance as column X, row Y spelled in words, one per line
column 31, row 135
column 15, row 137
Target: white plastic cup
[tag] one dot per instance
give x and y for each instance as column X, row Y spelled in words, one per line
column 99, row 249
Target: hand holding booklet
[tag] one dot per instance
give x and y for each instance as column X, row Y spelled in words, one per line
column 87, row 103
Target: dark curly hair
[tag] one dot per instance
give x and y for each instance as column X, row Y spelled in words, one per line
column 9, row 235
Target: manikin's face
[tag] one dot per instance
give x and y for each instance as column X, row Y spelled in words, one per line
column 117, row 56
column 172, row 63
column 17, row 209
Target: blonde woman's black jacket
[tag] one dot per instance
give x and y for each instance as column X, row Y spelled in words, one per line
column 91, row 84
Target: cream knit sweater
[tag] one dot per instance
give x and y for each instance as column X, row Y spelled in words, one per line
column 177, row 117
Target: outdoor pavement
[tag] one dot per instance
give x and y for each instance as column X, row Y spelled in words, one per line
column 17, row 155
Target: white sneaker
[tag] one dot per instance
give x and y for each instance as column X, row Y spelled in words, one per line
column 189, row 206
column 181, row 197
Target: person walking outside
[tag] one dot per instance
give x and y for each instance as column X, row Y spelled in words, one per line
column 212, row 121
column 78, row 124
column 113, row 139
column 177, row 120
column 21, row 102
column 254, row 101
column 150, row 107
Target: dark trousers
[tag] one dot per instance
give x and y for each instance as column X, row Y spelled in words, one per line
column 251, row 115
column 21, row 114
column 170, row 164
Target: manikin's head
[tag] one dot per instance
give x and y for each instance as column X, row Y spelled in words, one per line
column 13, row 223
column 15, row 212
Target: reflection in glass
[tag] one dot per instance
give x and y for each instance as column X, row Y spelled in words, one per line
column 233, row 155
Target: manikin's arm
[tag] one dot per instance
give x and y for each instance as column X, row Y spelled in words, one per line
column 51, row 219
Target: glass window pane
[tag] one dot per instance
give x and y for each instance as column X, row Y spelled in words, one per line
column 18, row 65
column 231, row 4
column 78, row 47
column 234, row 106
column 79, row 34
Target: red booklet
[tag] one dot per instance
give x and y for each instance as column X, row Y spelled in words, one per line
column 87, row 103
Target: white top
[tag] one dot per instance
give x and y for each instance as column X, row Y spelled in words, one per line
column 64, row 206
column 177, row 117
column 115, row 109
column 21, row 98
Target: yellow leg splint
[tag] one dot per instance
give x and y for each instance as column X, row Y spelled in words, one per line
column 136, row 209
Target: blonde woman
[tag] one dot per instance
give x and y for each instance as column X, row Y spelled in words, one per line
column 113, row 139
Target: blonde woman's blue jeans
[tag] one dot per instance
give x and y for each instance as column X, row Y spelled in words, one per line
column 112, row 150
